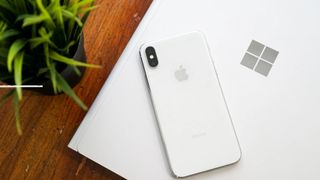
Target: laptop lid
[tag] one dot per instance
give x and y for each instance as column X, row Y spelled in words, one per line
column 266, row 55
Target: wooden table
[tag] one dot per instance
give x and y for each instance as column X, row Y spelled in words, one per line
column 48, row 123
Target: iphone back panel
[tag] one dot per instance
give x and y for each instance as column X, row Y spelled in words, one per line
column 193, row 118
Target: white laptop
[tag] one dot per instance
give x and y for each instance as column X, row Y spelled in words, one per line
column 266, row 56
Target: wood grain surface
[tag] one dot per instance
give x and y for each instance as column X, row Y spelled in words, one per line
column 49, row 122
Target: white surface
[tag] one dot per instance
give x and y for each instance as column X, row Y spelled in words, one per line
column 276, row 117
column 192, row 115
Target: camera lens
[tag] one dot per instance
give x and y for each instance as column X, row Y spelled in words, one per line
column 152, row 56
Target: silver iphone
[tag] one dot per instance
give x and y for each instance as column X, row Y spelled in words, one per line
column 193, row 118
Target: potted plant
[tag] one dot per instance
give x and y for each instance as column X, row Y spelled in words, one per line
column 41, row 43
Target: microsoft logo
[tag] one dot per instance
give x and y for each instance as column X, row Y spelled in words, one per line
column 259, row 58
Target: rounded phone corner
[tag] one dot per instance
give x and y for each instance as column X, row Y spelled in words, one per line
column 142, row 47
column 141, row 50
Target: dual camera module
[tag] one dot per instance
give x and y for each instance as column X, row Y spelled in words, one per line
column 152, row 56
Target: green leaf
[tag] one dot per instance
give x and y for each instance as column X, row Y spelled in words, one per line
column 3, row 26
column 9, row 33
column 84, row 3
column 17, row 113
column 51, row 68
column 35, row 42
column 42, row 71
column 79, row 5
column 56, row 10
column 45, row 38
column 57, row 57
column 46, row 14
column 45, row 35
column 13, row 51
column 33, row 19
column 18, row 62
column 64, row 86
column 86, row 10
column 23, row 16
column 76, row 70
column 71, row 16
column 68, row 46
column 86, row 13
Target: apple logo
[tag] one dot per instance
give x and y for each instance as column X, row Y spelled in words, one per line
column 181, row 74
